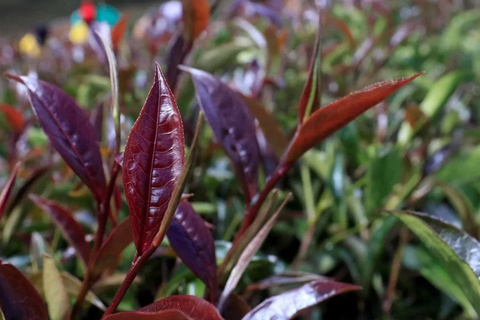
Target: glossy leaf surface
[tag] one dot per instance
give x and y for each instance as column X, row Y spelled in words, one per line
column 194, row 307
column 453, row 248
column 153, row 160
column 232, row 124
column 193, row 242
column 69, row 130
column 7, row 190
column 287, row 305
column 120, row 237
column 325, row 121
column 18, row 298
column 71, row 229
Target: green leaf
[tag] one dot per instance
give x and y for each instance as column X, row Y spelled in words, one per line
column 440, row 92
column 384, row 173
column 55, row 292
column 420, row 259
column 461, row 169
column 452, row 248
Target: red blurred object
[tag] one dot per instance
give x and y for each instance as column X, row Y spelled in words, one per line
column 88, row 11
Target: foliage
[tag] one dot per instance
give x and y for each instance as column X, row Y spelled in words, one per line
column 280, row 201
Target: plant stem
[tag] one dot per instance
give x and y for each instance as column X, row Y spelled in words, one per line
column 253, row 210
column 103, row 211
column 132, row 273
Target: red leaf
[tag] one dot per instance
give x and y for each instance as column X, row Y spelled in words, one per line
column 63, row 219
column 194, row 307
column 325, row 121
column 233, row 125
column 19, row 299
column 120, row 237
column 69, row 130
column 287, row 305
column 153, row 161
column 193, row 242
column 7, row 190
column 163, row 315
column 14, row 117
column 196, row 14
column 118, row 31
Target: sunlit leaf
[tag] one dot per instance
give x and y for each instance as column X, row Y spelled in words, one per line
column 153, row 161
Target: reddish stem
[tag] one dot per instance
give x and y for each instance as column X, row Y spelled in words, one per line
column 103, row 211
column 253, row 211
column 132, row 273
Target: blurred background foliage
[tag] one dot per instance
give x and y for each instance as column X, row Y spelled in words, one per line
column 416, row 151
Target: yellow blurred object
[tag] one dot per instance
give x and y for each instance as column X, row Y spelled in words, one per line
column 79, row 33
column 28, row 45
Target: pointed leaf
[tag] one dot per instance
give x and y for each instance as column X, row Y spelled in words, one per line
column 194, row 307
column 7, row 190
column 120, row 237
column 69, row 131
column 287, row 305
column 71, row 229
column 18, row 298
column 325, row 121
column 137, row 315
column 196, row 14
column 453, row 248
column 232, row 124
column 55, row 291
column 193, row 242
column 153, row 160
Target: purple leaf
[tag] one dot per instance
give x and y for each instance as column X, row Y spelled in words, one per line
column 232, row 124
column 287, row 305
column 153, row 161
column 19, row 299
column 69, row 130
column 194, row 307
column 70, row 228
column 8, row 189
column 193, row 242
